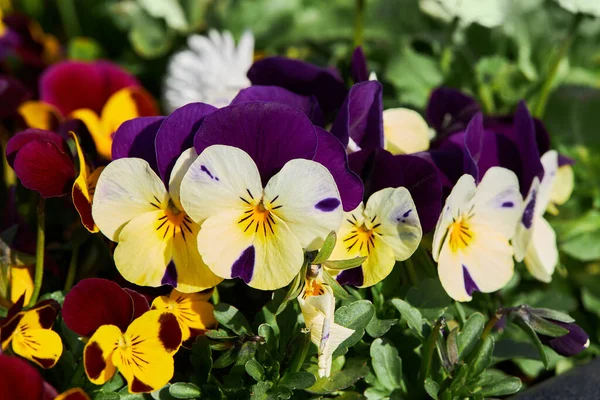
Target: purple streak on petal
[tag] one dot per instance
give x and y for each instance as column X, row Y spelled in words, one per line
column 474, row 138
column 508, row 204
column 450, row 110
column 470, row 285
column 358, row 66
column 176, row 134
column 207, row 172
column 379, row 169
column 170, row 276
column 135, row 138
column 328, row 205
column 527, row 145
column 307, row 104
column 243, row 267
column 406, row 214
column 528, row 213
column 361, row 116
column 352, row 276
column 332, row 154
column 570, row 344
column 302, row 78
column 271, row 133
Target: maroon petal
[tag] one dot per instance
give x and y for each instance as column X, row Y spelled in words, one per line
column 42, row 166
column 140, row 303
column 19, row 380
column 136, row 138
column 307, row 104
column 12, row 94
column 361, row 116
column 95, row 302
column 358, row 66
column 380, row 169
column 271, row 133
column 302, row 78
column 70, row 85
column 176, row 134
column 22, row 138
column 332, row 154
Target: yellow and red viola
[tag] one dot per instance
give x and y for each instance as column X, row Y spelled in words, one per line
column 29, row 333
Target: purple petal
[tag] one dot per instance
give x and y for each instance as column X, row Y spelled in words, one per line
column 302, row 78
column 570, row 344
column 380, row 169
column 352, row 276
column 307, row 104
column 271, row 133
column 331, row 154
column 361, row 116
column 358, row 66
column 450, row 110
column 170, row 276
column 564, row 160
column 527, row 145
column 243, row 267
column 470, row 285
column 474, row 137
column 176, row 134
column 12, row 94
column 135, row 138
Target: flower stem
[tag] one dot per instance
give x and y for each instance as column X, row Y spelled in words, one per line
column 39, row 254
column 563, row 50
column 300, row 354
column 412, row 275
column 490, row 325
column 68, row 15
column 72, row 268
column 359, row 23
column 429, row 349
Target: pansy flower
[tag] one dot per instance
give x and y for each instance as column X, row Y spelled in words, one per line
column 143, row 353
column 318, row 306
column 94, row 302
column 140, row 211
column 29, row 333
column 106, row 97
column 193, row 311
column 385, row 230
column 211, row 70
column 267, row 193
column 405, row 131
column 20, row 380
column 471, row 242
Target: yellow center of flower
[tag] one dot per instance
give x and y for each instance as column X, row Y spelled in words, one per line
column 362, row 237
column 258, row 216
column 461, row 234
column 173, row 221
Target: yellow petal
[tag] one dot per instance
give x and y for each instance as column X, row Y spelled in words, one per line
column 191, row 309
column 98, row 354
column 21, row 281
column 145, row 356
column 94, row 126
column 40, row 115
column 73, row 394
column 42, row 346
column 83, row 189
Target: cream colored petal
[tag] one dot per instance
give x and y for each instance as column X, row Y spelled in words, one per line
column 183, row 163
column 542, row 254
column 405, row 131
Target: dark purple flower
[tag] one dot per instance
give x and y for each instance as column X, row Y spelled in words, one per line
column 273, row 134
column 302, row 78
column 450, row 110
column 361, row 117
column 359, row 68
column 380, row 169
column 570, row 344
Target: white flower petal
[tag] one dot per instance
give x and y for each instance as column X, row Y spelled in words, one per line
column 550, row 163
column 126, row 189
column 183, row 163
column 405, row 131
column 542, row 254
column 522, row 238
column 305, row 196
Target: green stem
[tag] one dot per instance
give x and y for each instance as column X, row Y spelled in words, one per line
column 490, row 325
column 215, row 296
column 563, row 50
column 412, row 274
column 300, row 354
column 39, row 252
column 447, row 51
column 359, row 22
column 429, row 349
column 68, row 15
column 72, row 268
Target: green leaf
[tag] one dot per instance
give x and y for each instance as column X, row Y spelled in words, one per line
column 340, row 265
column 357, row 316
column 452, row 347
column 552, row 314
column 326, row 249
column 268, row 333
column 84, row 49
column 259, row 391
column 219, row 334
column 432, row 388
column 232, row 318
column 150, row 37
column 107, row 396
column 483, row 358
column 470, row 333
column 181, row 390
column 201, row 360
column 544, row 327
column 414, row 75
column 507, row 349
column 534, row 339
column 506, row 386
column 378, row 327
column 411, row 315
column 341, row 379
column 226, row 359
column 386, row 364
column 429, row 297
column 255, row 370
column 298, row 380
column 170, row 10
column 338, row 291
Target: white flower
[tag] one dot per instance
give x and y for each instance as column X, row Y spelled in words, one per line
column 488, row 13
column 581, row 6
column 211, row 71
